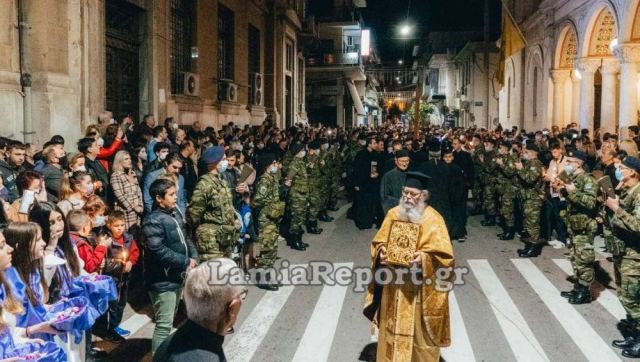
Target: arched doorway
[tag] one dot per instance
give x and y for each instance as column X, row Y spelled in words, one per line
column 566, row 89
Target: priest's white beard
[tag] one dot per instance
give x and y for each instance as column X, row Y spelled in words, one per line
column 411, row 212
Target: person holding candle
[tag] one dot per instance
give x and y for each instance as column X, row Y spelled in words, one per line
column 121, row 256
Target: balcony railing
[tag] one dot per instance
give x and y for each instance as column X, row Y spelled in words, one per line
column 334, row 59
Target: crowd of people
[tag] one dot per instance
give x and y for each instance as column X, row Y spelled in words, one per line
column 160, row 200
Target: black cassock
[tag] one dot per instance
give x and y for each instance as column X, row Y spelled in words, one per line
column 367, row 208
column 438, row 195
column 457, row 195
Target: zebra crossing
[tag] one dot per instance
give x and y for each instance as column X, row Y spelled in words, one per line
column 316, row 341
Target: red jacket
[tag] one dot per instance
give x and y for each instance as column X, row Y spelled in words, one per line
column 105, row 153
column 92, row 257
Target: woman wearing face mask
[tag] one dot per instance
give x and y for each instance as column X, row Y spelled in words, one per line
column 12, row 336
column 74, row 191
column 31, row 189
column 625, row 225
column 77, row 163
column 96, row 210
column 139, row 160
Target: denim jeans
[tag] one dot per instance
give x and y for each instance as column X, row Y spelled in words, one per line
column 165, row 305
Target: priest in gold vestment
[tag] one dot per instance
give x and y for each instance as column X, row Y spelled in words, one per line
column 413, row 319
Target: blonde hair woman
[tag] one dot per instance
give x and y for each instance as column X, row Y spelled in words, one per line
column 630, row 147
column 126, row 189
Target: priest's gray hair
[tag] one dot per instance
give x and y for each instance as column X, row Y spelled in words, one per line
column 208, row 291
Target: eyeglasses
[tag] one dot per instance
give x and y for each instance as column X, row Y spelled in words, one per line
column 413, row 195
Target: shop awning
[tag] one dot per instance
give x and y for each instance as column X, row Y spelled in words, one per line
column 357, row 102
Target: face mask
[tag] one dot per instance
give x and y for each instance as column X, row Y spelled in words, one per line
column 100, row 221
column 362, row 143
column 112, row 121
column 90, row 189
column 80, row 169
column 619, row 175
column 100, row 142
column 568, row 169
column 274, row 169
column 302, row 153
column 175, row 126
column 223, row 165
column 526, row 157
column 162, row 156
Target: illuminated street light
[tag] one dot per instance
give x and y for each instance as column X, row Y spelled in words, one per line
column 405, row 30
column 400, row 62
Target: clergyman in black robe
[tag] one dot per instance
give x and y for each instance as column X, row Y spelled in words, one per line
column 393, row 181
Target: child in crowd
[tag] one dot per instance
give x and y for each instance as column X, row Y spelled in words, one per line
column 121, row 257
column 80, row 226
column 247, row 233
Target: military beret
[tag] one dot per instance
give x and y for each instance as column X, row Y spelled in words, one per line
column 533, row 147
column 213, row 155
column 632, row 162
column 296, row 148
column 577, row 154
column 491, row 140
column 506, row 144
column 401, row 153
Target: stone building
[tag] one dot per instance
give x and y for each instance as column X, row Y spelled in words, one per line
column 580, row 65
column 215, row 61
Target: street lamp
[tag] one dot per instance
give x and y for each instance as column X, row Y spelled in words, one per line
column 400, row 62
column 405, row 29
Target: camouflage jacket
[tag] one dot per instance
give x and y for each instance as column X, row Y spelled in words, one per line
column 297, row 173
column 267, row 196
column 507, row 177
column 626, row 220
column 212, row 202
column 477, row 164
column 314, row 171
column 489, row 167
column 530, row 179
column 582, row 203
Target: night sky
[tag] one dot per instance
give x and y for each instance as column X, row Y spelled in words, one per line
column 384, row 17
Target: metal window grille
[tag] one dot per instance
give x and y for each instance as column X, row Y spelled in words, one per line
column 180, row 32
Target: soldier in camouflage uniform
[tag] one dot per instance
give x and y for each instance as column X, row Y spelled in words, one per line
column 325, row 180
column 270, row 207
column 211, row 209
column 477, row 177
column 581, row 194
column 507, row 183
column 298, row 205
column 529, row 173
column 314, row 173
column 625, row 223
column 489, row 171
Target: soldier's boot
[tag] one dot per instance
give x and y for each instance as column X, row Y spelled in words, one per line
column 572, row 279
column 627, row 342
column 264, row 282
column 296, row 242
column 533, row 251
column 490, row 220
column 582, row 295
column 527, row 246
column 570, row 293
column 633, row 350
column 313, row 228
column 509, row 234
column 324, row 217
column 332, row 208
column 504, row 231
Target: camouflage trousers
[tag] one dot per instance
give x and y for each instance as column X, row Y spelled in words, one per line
column 531, row 213
column 268, row 241
column 315, row 204
column 629, row 290
column 582, row 257
column 507, row 204
column 489, row 199
column 617, row 249
column 477, row 194
column 215, row 241
column 298, row 208
column 332, row 195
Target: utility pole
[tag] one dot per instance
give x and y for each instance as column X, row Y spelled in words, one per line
column 487, row 35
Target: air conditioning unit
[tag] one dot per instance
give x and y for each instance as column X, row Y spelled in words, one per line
column 191, row 84
column 229, row 92
column 257, row 86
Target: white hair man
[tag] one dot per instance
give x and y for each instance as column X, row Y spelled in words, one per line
column 413, row 317
column 213, row 294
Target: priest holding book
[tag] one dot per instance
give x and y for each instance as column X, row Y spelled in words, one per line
column 413, row 318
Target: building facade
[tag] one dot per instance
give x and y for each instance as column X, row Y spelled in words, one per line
column 580, row 64
column 212, row 61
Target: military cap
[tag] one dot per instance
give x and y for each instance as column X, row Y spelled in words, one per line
column 314, row 145
column 577, row 154
column 213, row 154
column 296, row 148
column 531, row 146
column 632, row 162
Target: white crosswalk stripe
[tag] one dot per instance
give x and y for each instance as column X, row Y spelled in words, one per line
column 589, row 342
column 460, row 350
column 246, row 340
column 521, row 339
column 607, row 299
column 316, row 342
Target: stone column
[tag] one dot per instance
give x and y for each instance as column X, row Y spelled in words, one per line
column 559, row 77
column 575, row 99
column 587, row 68
column 629, row 55
column 608, row 114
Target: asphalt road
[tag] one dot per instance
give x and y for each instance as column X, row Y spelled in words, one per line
column 508, row 309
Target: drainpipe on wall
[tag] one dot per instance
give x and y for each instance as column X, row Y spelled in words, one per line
column 25, row 76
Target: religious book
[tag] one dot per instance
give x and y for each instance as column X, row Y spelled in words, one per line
column 565, row 178
column 374, row 167
column 402, row 243
column 607, row 186
column 245, row 173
